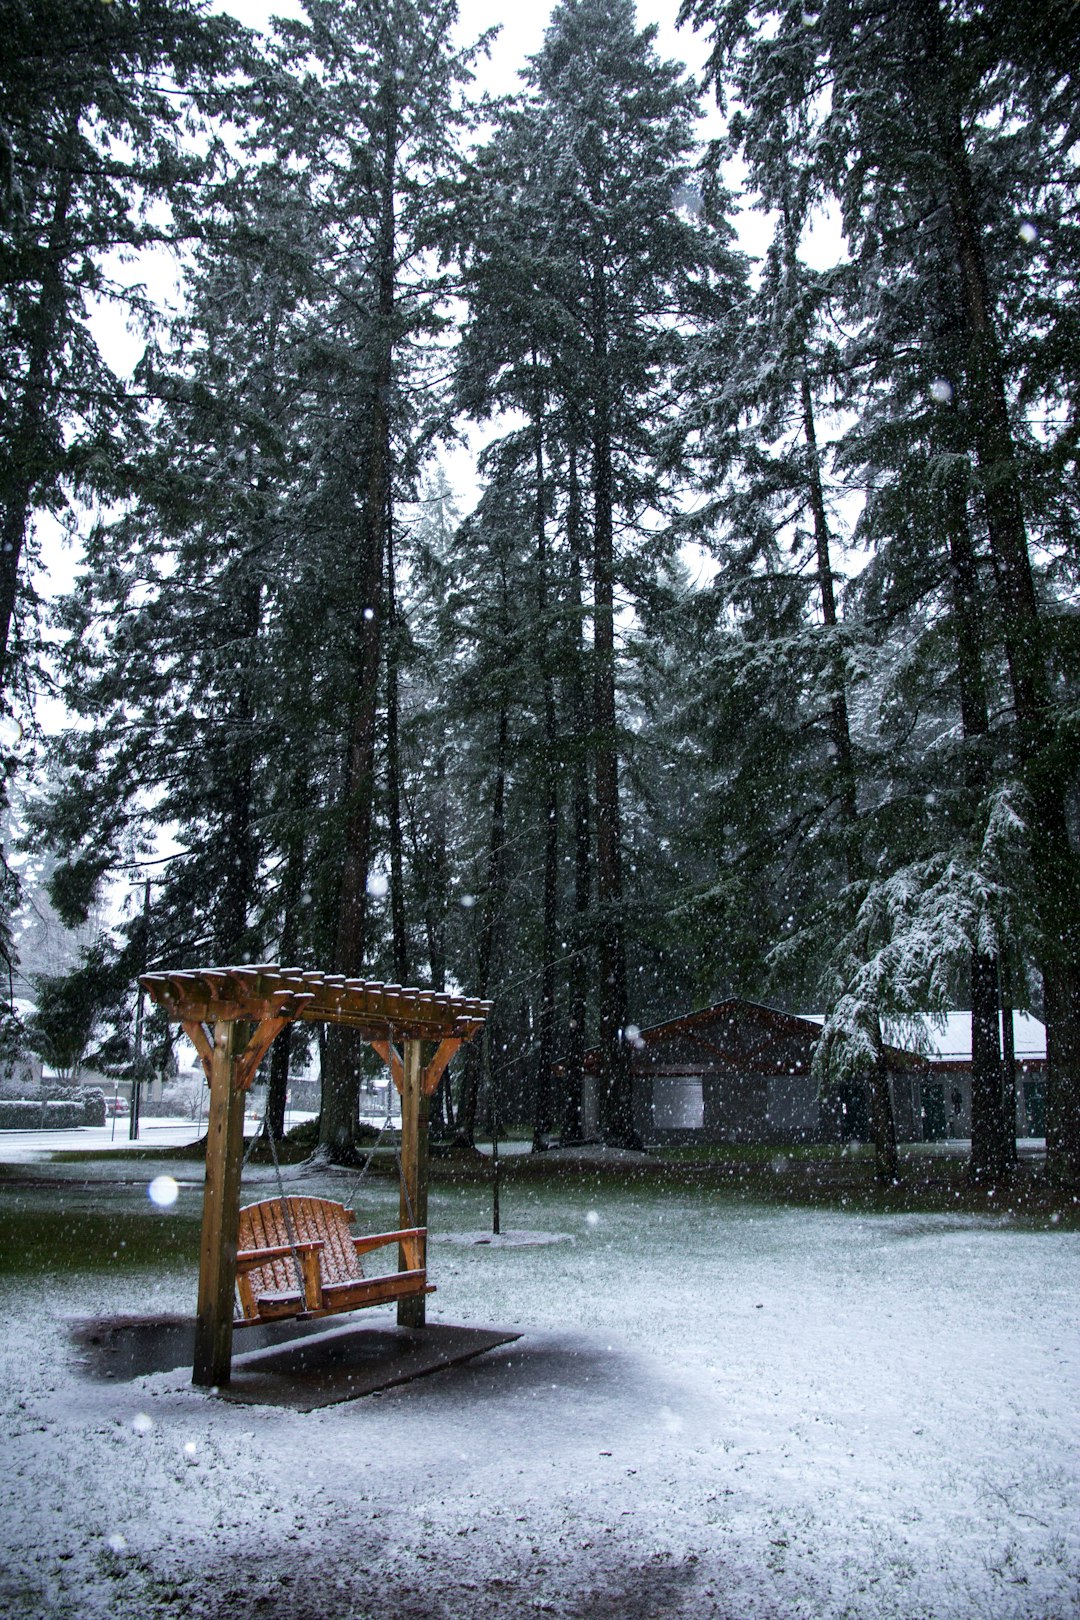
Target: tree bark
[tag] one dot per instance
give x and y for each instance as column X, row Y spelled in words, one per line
column 471, row 1076
column 291, row 891
column 570, row 1112
column 1008, row 1056
column 25, row 461
column 882, row 1117
column 393, row 769
column 544, row 1105
column 1054, row 862
column 989, row 1155
column 239, row 855
column 341, row 1082
column 882, row 1125
column 616, row 1085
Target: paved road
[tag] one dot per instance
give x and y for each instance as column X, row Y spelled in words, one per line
column 25, row 1146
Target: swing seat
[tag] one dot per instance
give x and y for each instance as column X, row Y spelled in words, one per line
column 267, row 1286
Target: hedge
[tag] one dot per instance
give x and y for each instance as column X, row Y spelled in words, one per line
column 88, row 1108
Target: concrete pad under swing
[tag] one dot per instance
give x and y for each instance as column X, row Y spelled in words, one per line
column 351, row 1361
column 302, row 1366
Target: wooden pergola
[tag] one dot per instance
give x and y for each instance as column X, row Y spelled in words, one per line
column 231, row 1015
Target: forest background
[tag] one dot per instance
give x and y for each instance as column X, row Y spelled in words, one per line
column 754, row 668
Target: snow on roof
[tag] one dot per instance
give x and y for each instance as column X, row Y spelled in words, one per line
column 953, row 1043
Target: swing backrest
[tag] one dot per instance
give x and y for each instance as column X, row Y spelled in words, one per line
column 263, row 1226
column 309, row 1263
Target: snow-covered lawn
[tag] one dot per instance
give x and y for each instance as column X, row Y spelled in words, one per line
column 714, row 1410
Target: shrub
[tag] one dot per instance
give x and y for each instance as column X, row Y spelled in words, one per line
column 82, row 1106
column 43, row 1116
column 93, row 1101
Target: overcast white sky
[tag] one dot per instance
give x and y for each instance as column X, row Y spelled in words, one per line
column 521, row 34
column 521, row 30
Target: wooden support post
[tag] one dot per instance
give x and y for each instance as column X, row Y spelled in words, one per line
column 221, row 1208
column 414, row 1170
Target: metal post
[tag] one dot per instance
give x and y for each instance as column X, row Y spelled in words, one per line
column 493, row 1087
column 136, row 1084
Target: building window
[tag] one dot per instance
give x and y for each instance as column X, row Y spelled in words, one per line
column 678, row 1104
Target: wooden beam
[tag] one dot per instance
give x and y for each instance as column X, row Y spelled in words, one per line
column 390, row 1056
column 221, row 1214
column 414, row 1172
column 256, row 1049
column 252, row 993
column 200, row 1040
column 437, row 1067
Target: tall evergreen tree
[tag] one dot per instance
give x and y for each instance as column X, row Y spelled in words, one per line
column 370, row 119
column 590, row 271
column 921, row 113
column 98, row 105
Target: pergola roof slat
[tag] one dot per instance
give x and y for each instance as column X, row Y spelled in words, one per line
column 374, row 1010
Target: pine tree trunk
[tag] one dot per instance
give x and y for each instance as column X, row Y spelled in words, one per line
column 882, row 1116
column 1008, row 1057
column 393, row 770
column 341, row 1081
column 239, row 851
column 616, row 1086
column 19, row 478
column 471, row 1076
column 989, row 1156
column 544, row 1102
column 839, row 724
column 291, row 892
column 1055, row 865
column 882, row 1125
column 570, row 1113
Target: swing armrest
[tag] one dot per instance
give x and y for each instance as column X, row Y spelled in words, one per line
column 307, row 1252
column 412, row 1239
column 248, row 1259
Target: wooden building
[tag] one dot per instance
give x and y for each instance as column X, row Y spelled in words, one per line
column 945, row 1084
column 740, row 1072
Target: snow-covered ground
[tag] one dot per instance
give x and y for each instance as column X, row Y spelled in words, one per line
column 714, row 1410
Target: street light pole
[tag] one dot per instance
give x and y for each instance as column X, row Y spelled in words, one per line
column 136, row 1084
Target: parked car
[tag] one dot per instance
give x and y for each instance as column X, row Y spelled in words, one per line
column 117, row 1105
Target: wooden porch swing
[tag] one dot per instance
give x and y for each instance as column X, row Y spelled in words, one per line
column 295, row 1256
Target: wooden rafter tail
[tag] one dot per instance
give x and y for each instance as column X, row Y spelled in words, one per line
column 173, row 987
column 200, row 1040
column 213, row 986
column 289, row 1003
column 244, row 984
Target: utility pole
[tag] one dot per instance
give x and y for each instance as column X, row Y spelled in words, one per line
column 136, row 1084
